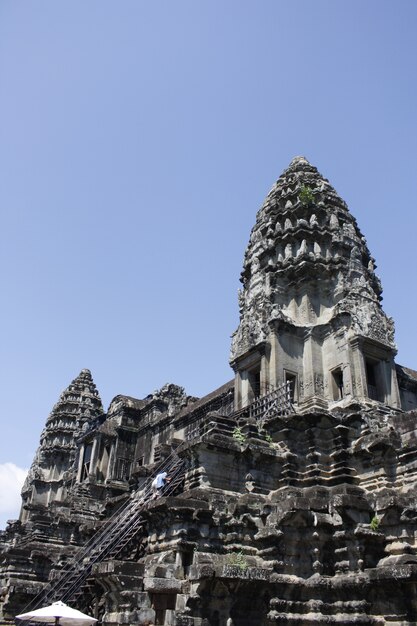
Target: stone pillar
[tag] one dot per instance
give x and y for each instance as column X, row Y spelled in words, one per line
column 313, row 382
column 80, row 463
column 112, row 458
column 93, row 461
column 395, row 399
column 317, row 366
column 387, row 375
column 273, row 361
column 264, row 376
column 308, row 372
column 244, row 388
column 359, row 385
column 238, row 391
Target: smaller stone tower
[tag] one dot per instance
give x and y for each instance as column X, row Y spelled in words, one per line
column 310, row 311
column 54, row 467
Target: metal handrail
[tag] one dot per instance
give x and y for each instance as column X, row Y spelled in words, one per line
column 276, row 402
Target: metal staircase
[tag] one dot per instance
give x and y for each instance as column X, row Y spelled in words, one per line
column 110, row 540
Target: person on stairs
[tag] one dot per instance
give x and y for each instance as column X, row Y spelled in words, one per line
column 159, row 483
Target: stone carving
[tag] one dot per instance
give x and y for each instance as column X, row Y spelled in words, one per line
column 303, row 247
column 334, row 222
column 349, row 231
column 248, row 573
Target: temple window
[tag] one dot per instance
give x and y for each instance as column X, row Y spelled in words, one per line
column 86, row 461
column 123, row 469
column 254, row 379
column 373, row 380
column 103, row 467
column 187, row 559
column 337, row 383
column 160, row 603
column 291, row 383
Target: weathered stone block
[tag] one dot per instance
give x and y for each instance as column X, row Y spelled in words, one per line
column 161, row 585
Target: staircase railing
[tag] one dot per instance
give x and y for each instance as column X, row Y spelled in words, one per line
column 110, row 539
column 279, row 401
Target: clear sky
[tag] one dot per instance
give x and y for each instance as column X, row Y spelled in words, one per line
column 137, row 141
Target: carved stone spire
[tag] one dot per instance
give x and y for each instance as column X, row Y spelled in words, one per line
column 307, row 265
column 53, row 466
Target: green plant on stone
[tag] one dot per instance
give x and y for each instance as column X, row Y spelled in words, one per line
column 238, row 435
column 238, row 559
column 374, row 523
column 268, row 438
column 306, row 195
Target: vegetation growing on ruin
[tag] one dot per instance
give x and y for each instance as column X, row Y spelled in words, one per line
column 306, row 195
column 238, row 435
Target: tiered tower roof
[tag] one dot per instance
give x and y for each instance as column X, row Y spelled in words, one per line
column 54, row 463
column 78, row 405
column 306, row 262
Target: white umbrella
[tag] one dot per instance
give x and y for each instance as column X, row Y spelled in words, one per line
column 58, row 613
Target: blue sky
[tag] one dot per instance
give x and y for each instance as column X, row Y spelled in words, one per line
column 138, row 140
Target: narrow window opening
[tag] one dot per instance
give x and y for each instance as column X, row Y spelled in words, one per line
column 103, row 467
column 371, row 379
column 187, row 558
column 291, row 385
column 86, row 461
column 160, row 603
column 123, row 469
column 254, row 377
column 337, row 383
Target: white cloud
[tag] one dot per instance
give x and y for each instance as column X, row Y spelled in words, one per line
column 12, row 478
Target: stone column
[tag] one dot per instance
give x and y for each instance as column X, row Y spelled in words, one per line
column 313, row 383
column 244, row 388
column 93, row 461
column 394, row 399
column 80, row 463
column 308, row 372
column 359, row 385
column 273, row 361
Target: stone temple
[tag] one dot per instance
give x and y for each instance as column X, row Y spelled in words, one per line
column 292, row 491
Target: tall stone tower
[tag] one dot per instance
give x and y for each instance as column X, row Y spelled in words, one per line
column 310, row 307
